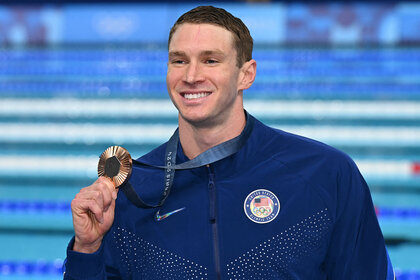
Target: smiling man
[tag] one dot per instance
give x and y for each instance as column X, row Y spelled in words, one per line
column 246, row 201
column 205, row 81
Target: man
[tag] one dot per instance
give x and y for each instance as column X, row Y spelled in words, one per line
column 277, row 206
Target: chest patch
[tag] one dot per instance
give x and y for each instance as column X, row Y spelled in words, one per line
column 261, row 206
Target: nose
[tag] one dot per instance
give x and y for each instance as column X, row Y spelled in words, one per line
column 193, row 73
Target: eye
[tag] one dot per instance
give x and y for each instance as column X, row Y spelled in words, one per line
column 211, row 61
column 177, row 61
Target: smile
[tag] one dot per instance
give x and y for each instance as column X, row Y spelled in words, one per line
column 191, row 96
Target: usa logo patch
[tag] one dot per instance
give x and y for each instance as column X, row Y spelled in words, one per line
column 261, row 206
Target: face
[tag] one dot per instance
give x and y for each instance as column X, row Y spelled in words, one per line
column 203, row 79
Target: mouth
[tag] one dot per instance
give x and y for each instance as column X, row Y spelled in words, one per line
column 195, row 95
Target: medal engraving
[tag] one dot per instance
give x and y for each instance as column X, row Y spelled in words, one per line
column 116, row 164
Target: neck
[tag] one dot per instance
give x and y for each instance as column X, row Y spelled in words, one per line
column 197, row 139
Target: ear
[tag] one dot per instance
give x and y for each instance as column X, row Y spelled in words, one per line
column 247, row 74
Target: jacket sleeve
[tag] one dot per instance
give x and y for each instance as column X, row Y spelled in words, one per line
column 357, row 247
column 80, row 266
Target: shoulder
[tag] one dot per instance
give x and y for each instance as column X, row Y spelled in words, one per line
column 327, row 171
column 155, row 156
column 144, row 169
column 291, row 148
column 319, row 165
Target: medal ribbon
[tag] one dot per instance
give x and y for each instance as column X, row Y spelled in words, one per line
column 213, row 154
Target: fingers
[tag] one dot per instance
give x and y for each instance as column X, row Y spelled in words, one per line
column 93, row 214
column 111, row 189
column 96, row 198
column 110, row 185
column 90, row 207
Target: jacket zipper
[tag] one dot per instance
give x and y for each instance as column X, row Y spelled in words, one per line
column 213, row 221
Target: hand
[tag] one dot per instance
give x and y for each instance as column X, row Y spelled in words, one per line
column 93, row 214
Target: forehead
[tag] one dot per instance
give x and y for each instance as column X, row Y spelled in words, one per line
column 208, row 36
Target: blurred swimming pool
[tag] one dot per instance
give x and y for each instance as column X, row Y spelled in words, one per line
column 61, row 107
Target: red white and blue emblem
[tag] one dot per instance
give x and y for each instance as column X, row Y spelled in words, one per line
column 261, row 206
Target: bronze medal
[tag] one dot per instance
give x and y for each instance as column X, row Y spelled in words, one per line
column 116, row 164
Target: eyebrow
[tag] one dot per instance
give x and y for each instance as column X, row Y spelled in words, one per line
column 212, row 52
column 176, row 53
column 206, row 52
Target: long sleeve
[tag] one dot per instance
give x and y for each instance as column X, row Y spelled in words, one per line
column 357, row 248
column 80, row 266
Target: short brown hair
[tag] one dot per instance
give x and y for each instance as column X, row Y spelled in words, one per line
column 243, row 42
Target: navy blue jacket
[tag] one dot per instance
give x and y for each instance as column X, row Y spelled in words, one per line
column 321, row 222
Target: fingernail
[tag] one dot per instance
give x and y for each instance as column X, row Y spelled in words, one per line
column 101, row 220
column 114, row 195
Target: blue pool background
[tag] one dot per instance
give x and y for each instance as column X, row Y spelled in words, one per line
column 77, row 78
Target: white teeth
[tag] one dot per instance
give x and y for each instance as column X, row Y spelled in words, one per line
column 196, row 95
